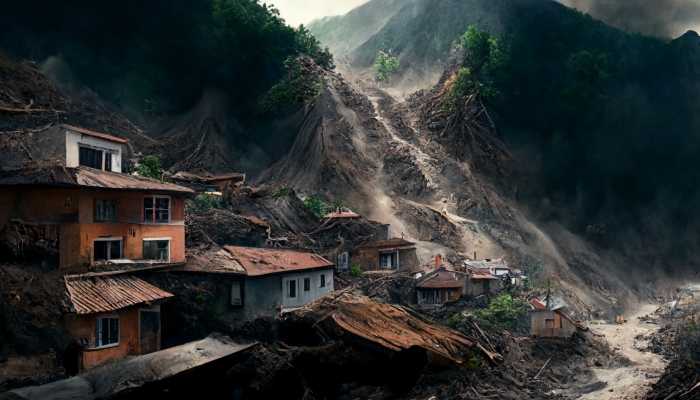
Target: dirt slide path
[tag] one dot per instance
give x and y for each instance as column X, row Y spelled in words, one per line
column 631, row 382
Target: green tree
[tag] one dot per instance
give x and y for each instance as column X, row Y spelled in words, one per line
column 503, row 312
column 483, row 67
column 149, row 167
column 317, row 206
column 385, row 65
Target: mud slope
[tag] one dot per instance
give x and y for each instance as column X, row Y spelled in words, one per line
column 441, row 180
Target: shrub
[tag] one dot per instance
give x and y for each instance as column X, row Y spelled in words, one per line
column 149, row 167
column 385, row 65
column 317, row 206
column 355, row 270
column 302, row 84
column 503, row 312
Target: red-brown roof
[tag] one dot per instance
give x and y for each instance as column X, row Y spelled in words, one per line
column 537, row 304
column 259, row 261
column 95, row 293
column 86, row 177
column 442, row 279
column 480, row 275
column 342, row 215
column 389, row 243
column 100, row 135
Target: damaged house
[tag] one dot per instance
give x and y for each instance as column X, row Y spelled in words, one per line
column 90, row 212
column 390, row 254
column 440, row 287
column 111, row 316
column 262, row 282
column 549, row 319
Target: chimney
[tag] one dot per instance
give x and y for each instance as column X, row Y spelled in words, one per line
column 438, row 261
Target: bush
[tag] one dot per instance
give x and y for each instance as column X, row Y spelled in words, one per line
column 355, row 270
column 150, row 167
column 385, row 65
column 503, row 312
column 317, row 206
column 302, row 84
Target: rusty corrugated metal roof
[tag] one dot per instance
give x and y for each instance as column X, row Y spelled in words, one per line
column 442, row 279
column 95, row 293
column 481, row 275
column 388, row 243
column 86, row 177
column 100, row 135
column 260, row 261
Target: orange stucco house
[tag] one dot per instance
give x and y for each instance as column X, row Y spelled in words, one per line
column 95, row 214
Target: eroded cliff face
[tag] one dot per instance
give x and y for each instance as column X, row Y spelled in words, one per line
column 442, row 179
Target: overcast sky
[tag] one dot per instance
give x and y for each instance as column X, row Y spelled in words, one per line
column 297, row 12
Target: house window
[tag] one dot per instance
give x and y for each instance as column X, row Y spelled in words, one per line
column 323, row 280
column 343, row 261
column 236, row 294
column 156, row 209
column 107, row 331
column 105, row 211
column 156, row 249
column 291, row 289
column 95, row 158
column 107, row 249
column 388, row 260
column 307, row 284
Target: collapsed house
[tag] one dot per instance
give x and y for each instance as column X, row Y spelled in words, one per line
column 396, row 254
column 549, row 319
column 209, row 183
column 112, row 315
column 259, row 282
column 92, row 212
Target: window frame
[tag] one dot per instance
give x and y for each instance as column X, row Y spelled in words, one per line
column 307, row 284
column 116, row 209
column 290, row 283
column 109, row 248
column 239, row 303
column 97, row 337
column 103, row 157
column 156, row 239
column 154, row 209
column 322, row 281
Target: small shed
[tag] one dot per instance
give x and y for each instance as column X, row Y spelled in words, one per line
column 481, row 282
column 550, row 321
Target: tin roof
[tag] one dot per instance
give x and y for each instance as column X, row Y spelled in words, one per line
column 259, row 261
column 95, row 293
column 215, row 262
column 476, row 275
column 99, row 135
column 442, row 279
column 388, row 243
column 498, row 263
column 85, row 177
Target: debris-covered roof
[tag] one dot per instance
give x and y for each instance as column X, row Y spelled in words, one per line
column 100, row 135
column 261, row 261
column 216, row 262
column 342, row 214
column 393, row 243
column 389, row 326
column 499, row 263
column 85, row 177
column 442, row 279
column 130, row 374
column 97, row 293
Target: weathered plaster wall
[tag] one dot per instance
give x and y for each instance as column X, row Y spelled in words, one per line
column 73, row 141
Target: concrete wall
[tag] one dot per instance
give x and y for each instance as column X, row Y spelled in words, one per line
column 560, row 327
column 73, row 211
column 83, row 326
column 73, row 141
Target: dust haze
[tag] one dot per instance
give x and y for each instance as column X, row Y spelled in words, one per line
column 297, row 12
column 662, row 18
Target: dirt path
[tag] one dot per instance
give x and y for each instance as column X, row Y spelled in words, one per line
column 631, row 382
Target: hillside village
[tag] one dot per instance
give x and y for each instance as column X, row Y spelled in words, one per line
column 270, row 220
